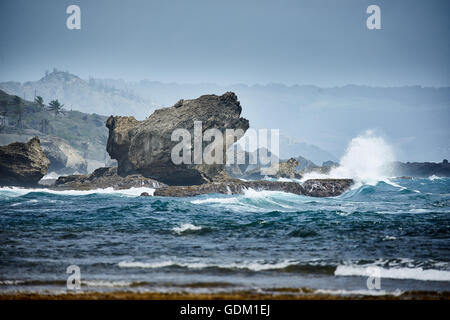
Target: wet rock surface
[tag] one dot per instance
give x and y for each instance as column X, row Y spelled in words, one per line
column 313, row 187
column 106, row 177
column 22, row 164
column 145, row 146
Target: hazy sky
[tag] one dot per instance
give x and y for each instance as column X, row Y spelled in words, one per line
column 321, row 42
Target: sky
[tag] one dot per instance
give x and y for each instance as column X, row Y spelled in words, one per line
column 320, row 42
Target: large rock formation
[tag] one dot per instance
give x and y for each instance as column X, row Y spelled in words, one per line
column 106, row 177
column 145, row 146
column 22, row 164
column 63, row 158
column 313, row 187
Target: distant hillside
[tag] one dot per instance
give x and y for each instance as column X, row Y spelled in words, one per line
column 85, row 132
column 320, row 122
column 413, row 119
column 81, row 95
column 291, row 148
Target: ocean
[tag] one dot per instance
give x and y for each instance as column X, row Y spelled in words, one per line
column 396, row 231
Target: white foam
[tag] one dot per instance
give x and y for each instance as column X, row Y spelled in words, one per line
column 284, row 179
column 10, row 282
column 396, row 293
column 214, row 200
column 51, row 175
column 103, row 283
column 186, row 227
column 434, row 177
column 17, row 191
column 255, row 194
column 250, row 265
column 137, row 264
column 395, row 273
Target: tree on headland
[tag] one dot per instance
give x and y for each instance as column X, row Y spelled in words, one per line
column 56, row 107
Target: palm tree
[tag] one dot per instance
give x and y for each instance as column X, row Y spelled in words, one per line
column 40, row 102
column 56, row 107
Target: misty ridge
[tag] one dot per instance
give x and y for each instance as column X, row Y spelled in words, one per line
column 316, row 123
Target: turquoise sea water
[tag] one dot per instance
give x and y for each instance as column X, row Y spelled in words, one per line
column 259, row 241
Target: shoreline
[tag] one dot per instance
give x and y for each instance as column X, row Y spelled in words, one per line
column 237, row 295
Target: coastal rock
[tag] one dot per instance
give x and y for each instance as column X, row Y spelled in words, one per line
column 63, row 158
column 106, row 177
column 22, row 164
column 121, row 130
column 313, row 187
column 145, row 146
column 326, row 187
column 421, row 169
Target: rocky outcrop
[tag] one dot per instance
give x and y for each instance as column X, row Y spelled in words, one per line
column 22, row 164
column 145, row 146
column 106, row 177
column 314, row 188
column 287, row 169
column 326, row 187
column 63, row 158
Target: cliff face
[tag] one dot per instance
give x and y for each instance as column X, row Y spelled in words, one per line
column 22, row 164
column 145, row 146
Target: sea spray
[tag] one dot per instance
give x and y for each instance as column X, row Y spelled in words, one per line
column 366, row 161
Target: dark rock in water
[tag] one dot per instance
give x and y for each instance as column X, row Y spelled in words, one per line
column 63, row 158
column 326, row 187
column 421, row 169
column 314, row 188
column 105, row 178
column 145, row 194
column 22, row 164
column 145, row 146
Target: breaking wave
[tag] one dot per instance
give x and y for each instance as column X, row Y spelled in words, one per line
column 186, row 227
column 17, row 191
column 249, row 265
column 366, row 161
